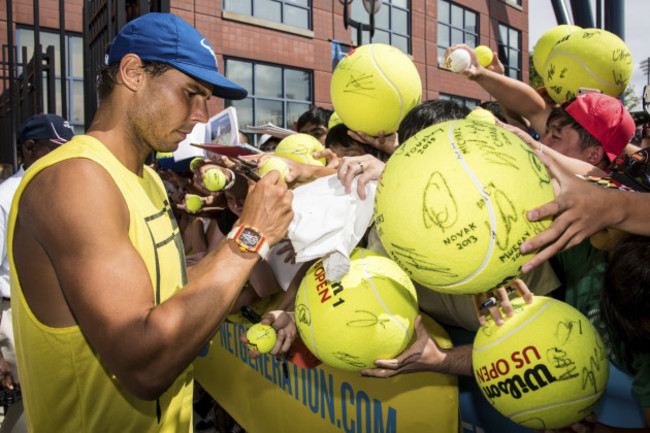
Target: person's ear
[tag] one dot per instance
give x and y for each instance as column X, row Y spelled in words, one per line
column 132, row 73
column 595, row 155
column 28, row 148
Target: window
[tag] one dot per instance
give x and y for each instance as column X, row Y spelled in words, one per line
column 392, row 24
column 296, row 13
column 460, row 100
column 510, row 50
column 276, row 94
column 74, row 71
column 456, row 25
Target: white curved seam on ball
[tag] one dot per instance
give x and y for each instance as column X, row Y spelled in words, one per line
column 584, row 66
column 488, row 204
column 516, row 329
column 311, row 328
column 587, row 397
column 381, row 301
column 401, row 102
column 298, row 152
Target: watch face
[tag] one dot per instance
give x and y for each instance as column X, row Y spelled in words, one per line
column 249, row 237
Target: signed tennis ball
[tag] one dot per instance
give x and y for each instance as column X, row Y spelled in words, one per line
column 374, row 87
column 274, row 164
column 193, row 202
column 368, row 315
column 261, row 337
column 544, row 368
column 457, row 226
column 458, row 60
column 588, row 58
column 482, row 115
column 547, row 41
column 485, row 55
column 300, row 147
column 214, row 179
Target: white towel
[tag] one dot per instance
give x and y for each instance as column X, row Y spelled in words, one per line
column 328, row 223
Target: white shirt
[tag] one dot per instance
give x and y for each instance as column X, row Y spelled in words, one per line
column 7, row 191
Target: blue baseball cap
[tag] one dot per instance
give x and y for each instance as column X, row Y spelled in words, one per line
column 45, row 127
column 166, row 38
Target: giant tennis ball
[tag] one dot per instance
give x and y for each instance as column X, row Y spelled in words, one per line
column 456, row 226
column 300, row 147
column 374, row 87
column 547, row 41
column 544, row 368
column 589, row 58
column 366, row 316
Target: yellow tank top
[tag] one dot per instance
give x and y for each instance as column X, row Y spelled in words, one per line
column 66, row 386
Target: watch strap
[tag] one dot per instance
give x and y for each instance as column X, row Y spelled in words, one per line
column 262, row 246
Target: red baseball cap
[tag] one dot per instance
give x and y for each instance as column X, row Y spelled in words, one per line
column 605, row 118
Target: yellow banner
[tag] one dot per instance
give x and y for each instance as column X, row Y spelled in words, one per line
column 323, row 399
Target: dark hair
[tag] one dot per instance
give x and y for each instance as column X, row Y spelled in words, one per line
column 316, row 115
column 106, row 77
column 338, row 134
column 625, row 298
column 429, row 113
column 495, row 108
column 585, row 139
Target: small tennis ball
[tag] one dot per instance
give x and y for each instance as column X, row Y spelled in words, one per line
column 274, row 164
column 334, row 120
column 261, row 337
column 214, row 179
column 193, row 202
column 481, row 115
column 590, row 58
column 544, row 368
column 547, row 41
column 458, row 60
column 368, row 315
column 457, row 226
column 485, row 55
column 374, row 87
column 196, row 163
column 300, row 147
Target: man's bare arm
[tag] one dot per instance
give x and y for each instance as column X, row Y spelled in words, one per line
column 106, row 285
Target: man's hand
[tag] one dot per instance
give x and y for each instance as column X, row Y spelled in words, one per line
column 424, row 355
column 5, row 374
column 498, row 298
column 285, row 326
column 268, row 207
column 367, row 166
column 331, row 157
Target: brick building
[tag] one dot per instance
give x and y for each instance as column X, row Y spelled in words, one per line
column 281, row 50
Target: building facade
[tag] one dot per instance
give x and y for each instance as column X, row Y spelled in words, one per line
column 283, row 51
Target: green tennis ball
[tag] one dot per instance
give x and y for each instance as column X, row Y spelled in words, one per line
column 374, row 87
column 214, row 179
column 274, row 164
column 300, row 147
column 485, row 55
column 457, row 226
column 544, row 368
column 193, row 202
column 261, row 338
column 481, row 115
column 334, row 120
column 368, row 315
column 547, row 41
column 196, row 163
column 589, row 58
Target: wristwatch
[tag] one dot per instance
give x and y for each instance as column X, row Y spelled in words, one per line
column 249, row 239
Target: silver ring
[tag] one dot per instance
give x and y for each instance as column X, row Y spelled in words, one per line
column 361, row 165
